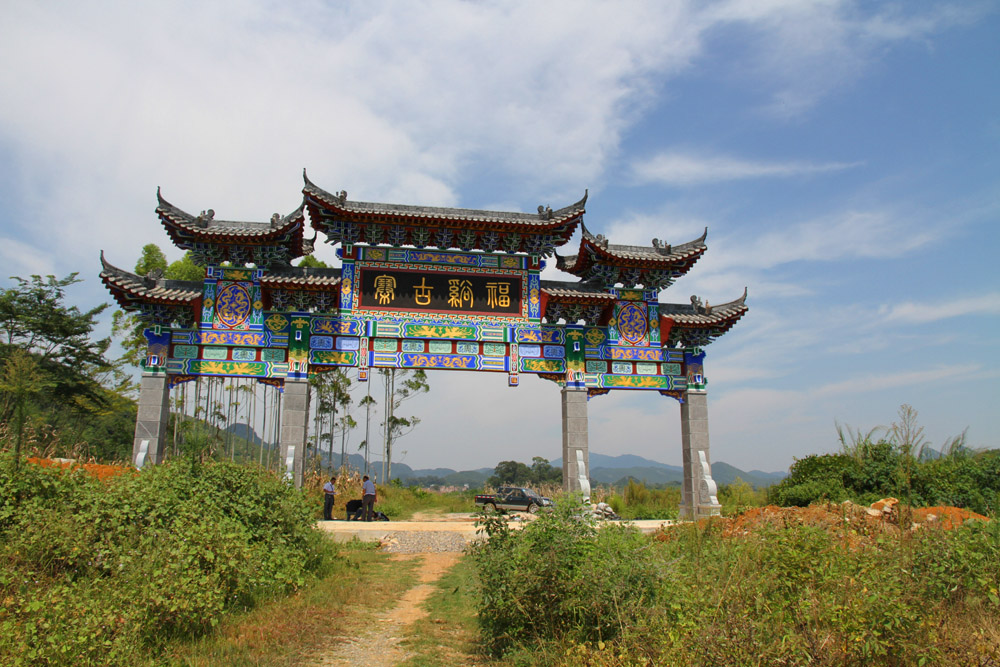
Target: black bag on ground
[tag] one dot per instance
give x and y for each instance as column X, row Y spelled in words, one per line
column 354, row 510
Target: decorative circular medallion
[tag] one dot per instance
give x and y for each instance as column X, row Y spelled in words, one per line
column 232, row 306
column 632, row 323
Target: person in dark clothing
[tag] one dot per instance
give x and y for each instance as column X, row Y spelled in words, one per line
column 368, row 497
column 329, row 497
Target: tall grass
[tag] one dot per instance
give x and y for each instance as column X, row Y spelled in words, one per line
column 793, row 594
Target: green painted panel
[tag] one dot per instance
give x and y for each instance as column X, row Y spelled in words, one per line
column 272, row 355
column 439, row 347
column 186, row 351
column 494, row 350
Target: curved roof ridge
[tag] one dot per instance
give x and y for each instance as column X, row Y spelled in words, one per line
column 339, row 200
column 206, row 220
column 122, row 282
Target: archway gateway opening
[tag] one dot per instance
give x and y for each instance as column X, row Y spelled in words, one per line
column 426, row 288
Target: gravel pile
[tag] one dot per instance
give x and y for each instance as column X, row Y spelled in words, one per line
column 423, row 542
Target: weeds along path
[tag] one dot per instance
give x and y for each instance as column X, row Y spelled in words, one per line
column 376, row 642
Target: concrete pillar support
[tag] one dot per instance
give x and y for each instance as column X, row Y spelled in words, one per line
column 699, row 491
column 575, row 444
column 152, row 420
column 294, row 429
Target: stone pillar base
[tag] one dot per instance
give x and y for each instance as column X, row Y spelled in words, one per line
column 152, row 420
column 575, row 445
column 699, row 491
column 294, row 428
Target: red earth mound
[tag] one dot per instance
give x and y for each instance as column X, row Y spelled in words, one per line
column 885, row 515
column 99, row 470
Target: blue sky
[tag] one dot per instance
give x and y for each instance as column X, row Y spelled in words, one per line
column 844, row 155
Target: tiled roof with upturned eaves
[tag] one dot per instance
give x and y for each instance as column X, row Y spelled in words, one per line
column 575, row 291
column 707, row 315
column 339, row 205
column 128, row 288
column 181, row 225
column 295, row 277
column 596, row 248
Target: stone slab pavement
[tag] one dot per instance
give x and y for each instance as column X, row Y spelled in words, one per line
column 463, row 525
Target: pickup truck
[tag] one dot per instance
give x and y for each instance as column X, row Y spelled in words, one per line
column 512, row 498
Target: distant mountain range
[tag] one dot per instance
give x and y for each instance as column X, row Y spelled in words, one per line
column 616, row 470
column 604, row 469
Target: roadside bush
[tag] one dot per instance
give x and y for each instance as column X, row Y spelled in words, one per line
column 105, row 572
column 799, row 594
column 559, row 577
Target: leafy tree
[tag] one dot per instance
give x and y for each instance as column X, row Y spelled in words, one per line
column 34, row 318
column 543, row 473
column 151, row 260
column 128, row 326
column 79, row 395
column 367, row 402
column 311, row 262
column 510, row 473
column 185, row 269
column 515, row 473
column 21, row 380
column 401, row 384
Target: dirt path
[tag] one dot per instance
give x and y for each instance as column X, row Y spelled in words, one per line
column 376, row 640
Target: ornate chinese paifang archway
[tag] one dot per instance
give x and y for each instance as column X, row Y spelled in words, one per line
column 432, row 288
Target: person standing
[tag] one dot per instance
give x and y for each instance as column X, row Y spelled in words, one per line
column 367, row 498
column 329, row 497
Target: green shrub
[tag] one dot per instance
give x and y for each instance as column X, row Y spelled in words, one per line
column 560, row 577
column 105, row 572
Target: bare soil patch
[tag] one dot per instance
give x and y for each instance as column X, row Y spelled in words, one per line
column 376, row 638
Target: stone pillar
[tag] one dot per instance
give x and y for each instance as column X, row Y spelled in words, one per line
column 294, row 428
column 152, row 419
column 698, row 495
column 575, row 445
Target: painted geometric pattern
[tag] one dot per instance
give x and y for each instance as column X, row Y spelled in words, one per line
column 451, row 259
column 534, row 297
column 226, row 368
column 541, row 335
column 333, row 358
column 658, row 382
column 542, row 365
column 342, row 326
column 632, row 324
column 347, row 291
column 443, row 361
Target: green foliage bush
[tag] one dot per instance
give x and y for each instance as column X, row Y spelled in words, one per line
column 560, row 577
column 883, row 469
column 105, row 572
column 795, row 594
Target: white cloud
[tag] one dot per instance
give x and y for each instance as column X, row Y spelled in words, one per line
column 940, row 376
column 797, row 52
column 676, row 168
column 20, row 259
column 921, row 313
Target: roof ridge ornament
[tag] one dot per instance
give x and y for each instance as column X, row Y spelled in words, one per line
column 545, row 212
column 662, row 246
column 204, row 218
